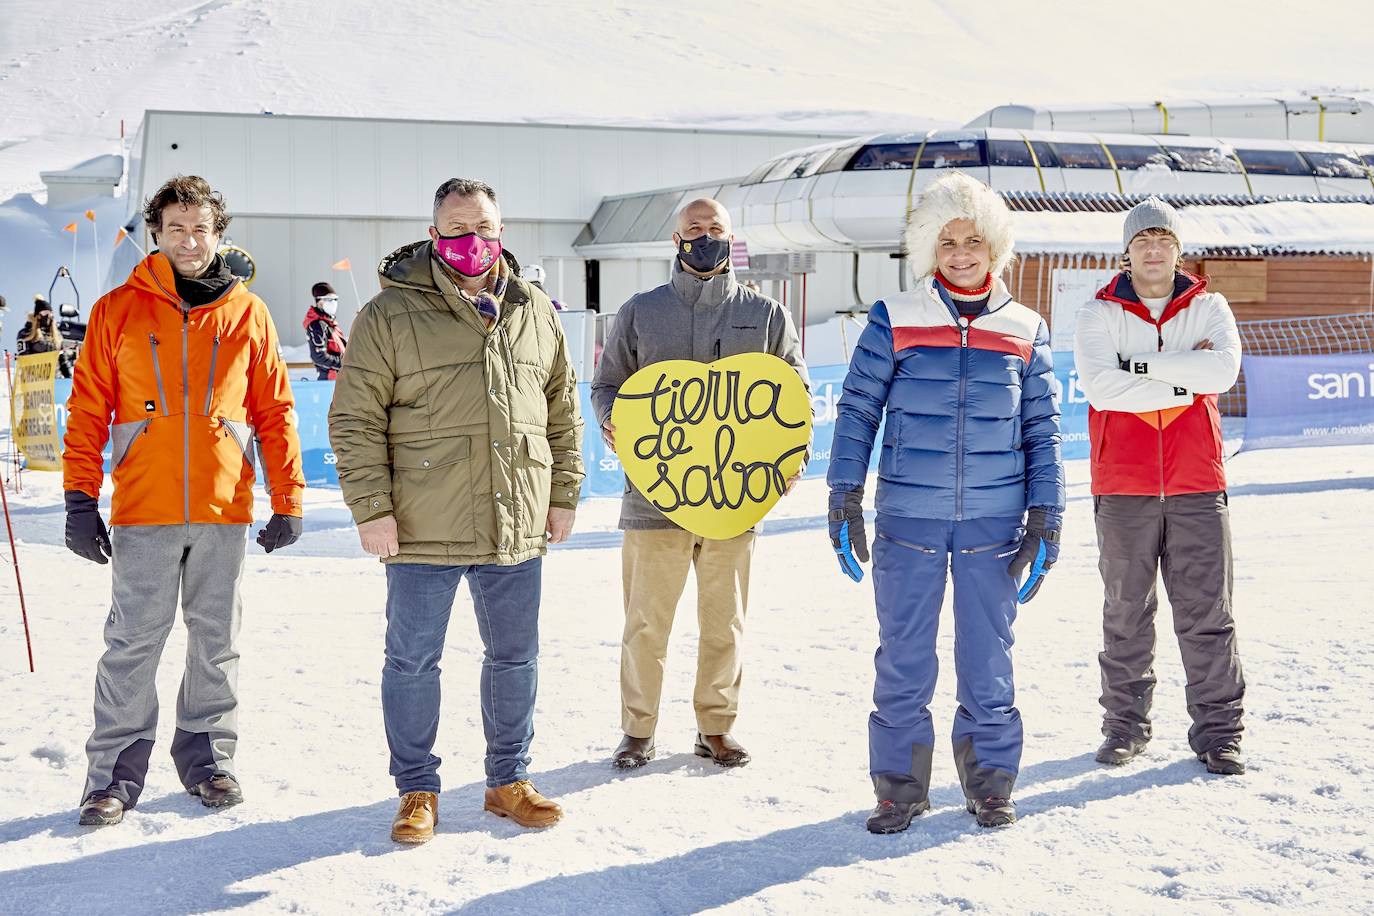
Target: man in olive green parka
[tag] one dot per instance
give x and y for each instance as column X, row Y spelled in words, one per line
column 456, row 427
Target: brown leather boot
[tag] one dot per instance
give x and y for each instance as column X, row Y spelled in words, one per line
column 522, row 803
column 101, row 811
column 416, row 817
column 723, row 749
column 219, row 791
column 633, row 752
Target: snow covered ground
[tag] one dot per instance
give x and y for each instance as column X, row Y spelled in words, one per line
column 783, row 835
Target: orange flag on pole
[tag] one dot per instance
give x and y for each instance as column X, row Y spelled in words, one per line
column 90, row 215
column 70, row 227
column 120, row 236
column 343, row 265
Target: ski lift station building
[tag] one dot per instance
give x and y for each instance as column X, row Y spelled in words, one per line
column 1277, row 207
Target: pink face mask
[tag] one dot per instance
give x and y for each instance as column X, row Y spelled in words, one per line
column 469, row 254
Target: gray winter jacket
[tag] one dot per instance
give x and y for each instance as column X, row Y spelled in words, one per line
column 702, row 319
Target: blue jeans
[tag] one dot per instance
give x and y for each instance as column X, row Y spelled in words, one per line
column 419, row 599
column 912, row 560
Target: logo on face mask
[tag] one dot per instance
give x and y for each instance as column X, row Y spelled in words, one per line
column 703, row 254
column 470, row 254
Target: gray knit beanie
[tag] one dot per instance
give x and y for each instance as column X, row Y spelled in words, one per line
column 1150, row 213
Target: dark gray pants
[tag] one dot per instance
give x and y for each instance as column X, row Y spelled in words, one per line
column 152, row 565
column 1188, row 539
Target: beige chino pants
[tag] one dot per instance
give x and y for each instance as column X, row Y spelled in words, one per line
column 654, row 566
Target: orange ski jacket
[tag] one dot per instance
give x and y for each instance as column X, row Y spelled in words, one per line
column 191, row 389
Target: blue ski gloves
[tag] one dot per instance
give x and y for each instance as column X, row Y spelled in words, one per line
column 1039, row 550
column 847, row 534
column 86, row 533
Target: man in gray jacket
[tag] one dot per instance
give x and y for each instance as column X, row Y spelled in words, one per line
column 703, row 314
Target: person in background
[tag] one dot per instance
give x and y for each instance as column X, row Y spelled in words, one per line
column 1153, row 350
column 327, row 342
column 535, row 275
column 41, row 334
column 185, row 361
column 970, row 484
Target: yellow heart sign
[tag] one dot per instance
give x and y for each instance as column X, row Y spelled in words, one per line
column 712, row 445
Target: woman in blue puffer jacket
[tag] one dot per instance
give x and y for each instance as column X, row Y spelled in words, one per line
column 970, row 479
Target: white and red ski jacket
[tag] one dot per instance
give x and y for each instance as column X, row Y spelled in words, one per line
column 1153, row 426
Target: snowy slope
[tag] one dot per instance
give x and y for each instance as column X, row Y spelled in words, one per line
column 66, row 80
column 71, row 70
column 783, row 835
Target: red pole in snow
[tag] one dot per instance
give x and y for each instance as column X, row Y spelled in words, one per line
column 14, row 552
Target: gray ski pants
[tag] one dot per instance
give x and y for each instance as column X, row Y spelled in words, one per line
column 151, row 564
column 1188, row 539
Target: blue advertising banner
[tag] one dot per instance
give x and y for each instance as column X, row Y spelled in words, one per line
column 604, row 477
column 1294, row 401
column 1073, row 407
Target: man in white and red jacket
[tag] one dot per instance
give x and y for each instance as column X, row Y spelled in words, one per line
column 1153, row 351
column 327, row 342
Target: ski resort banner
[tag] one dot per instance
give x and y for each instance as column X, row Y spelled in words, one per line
column 604, row 476
column 1073, row 407
column 1294, row 401
column 33, row 411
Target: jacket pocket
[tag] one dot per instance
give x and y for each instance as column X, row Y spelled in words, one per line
column 533, row 475
column 242, row 434
column 1003, row 548
column 431, row 491
column 889, row 462
column 1097, row 444
column 907, row 544
column 122, row 436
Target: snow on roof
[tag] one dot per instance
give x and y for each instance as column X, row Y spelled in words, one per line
column 107, row 168
column 1269, row 228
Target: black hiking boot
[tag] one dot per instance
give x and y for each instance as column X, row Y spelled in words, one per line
column 1119, row 749
column 219, row 791
column 894, row 816
column 993, row 811
column 1224, row 760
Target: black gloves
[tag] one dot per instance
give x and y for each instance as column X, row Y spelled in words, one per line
column 281, row 531
column 1039, row 550
column 86, row 534
column 847, row 534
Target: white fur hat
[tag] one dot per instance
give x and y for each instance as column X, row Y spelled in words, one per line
column 957, row 196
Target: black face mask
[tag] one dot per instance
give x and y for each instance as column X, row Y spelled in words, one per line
column 45, row 321
column 704, row 254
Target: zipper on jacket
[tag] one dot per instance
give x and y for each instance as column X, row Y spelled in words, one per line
column 210, row 388
column 157, row 373
column 186, row 415
column 510, row 356
column 1159, row 414
column 514, row 444
column 959, row 430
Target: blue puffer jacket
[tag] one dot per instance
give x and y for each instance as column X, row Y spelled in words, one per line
column 972, row 414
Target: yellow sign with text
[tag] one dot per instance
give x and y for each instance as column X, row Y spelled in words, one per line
column 712, row 446
column 33, row 411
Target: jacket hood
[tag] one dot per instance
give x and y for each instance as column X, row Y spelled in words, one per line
column 154, row 275
column 408, row 267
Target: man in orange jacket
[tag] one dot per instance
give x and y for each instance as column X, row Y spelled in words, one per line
column 187, row 363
